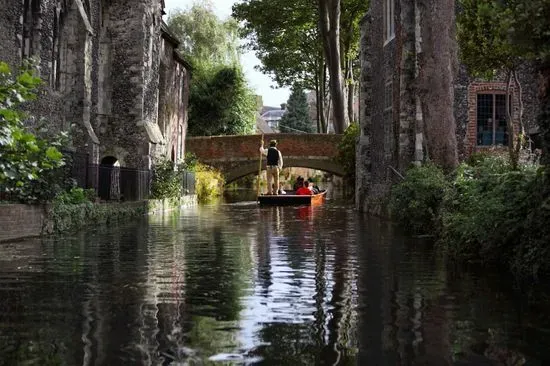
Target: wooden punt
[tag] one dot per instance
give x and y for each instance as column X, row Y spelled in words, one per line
column 291, row 199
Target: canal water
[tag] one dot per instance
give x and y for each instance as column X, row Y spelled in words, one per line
column 233, row 283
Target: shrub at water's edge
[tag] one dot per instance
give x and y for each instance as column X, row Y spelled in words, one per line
column 486, row 212
column 415, row 202
column 347, row 154
column 209, row 182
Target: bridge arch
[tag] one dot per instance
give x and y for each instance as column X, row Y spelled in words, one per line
column 238, row 156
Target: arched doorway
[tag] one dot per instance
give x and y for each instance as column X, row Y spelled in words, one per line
column 109, row 179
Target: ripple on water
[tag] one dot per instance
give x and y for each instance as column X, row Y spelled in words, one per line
column 240, row 284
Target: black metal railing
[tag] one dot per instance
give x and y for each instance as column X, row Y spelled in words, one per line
column 188, row 182
column 113, row 183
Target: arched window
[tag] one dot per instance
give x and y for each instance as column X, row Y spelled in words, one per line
column 31, row 28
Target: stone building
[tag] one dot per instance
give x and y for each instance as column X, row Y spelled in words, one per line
column 391, row 113
column 110, row 69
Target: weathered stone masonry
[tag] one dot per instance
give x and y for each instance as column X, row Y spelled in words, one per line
column 110, row 69
column 392, row 123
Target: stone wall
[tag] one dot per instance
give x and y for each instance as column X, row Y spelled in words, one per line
column 391, row 117
column 174, row 83
column 21, row 221
column 100, row 61
column 18, row 221
column 387, row 108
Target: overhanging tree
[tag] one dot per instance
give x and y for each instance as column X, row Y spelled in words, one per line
column 285, row 37
column 300, row 40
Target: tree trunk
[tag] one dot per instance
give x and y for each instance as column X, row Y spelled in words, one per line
column 544, row 116
column 317, row 110
column 324, row 103
column 521, row 135
column 351, row 91
column 329, row 23
column 510, row 124
column 436, row 79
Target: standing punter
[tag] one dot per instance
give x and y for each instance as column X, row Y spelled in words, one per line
column 273, row 166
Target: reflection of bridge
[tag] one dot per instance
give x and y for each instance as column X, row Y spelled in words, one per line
column 238, row 156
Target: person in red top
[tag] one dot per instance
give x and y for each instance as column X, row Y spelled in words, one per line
column 304, row 190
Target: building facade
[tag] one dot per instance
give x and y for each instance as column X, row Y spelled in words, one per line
column 111, row 74
column 391, row 104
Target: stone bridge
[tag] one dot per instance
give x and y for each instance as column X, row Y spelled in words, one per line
column 238, row 156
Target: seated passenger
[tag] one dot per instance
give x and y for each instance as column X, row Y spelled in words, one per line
column 304, row 190
column 312, row 186
column 299, row 183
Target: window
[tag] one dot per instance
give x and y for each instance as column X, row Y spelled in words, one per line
column 388, row 97
column 389, row 20
column 180, row 142
column 31, row 24
column 491, row 119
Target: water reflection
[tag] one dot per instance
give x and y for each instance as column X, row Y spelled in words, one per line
column 243, row 284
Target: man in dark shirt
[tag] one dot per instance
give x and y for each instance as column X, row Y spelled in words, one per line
column 273, row 166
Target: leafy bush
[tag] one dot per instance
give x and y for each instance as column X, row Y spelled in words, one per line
column 75, row 196
column 346, row 150
column 221, row 103
column 415, row 202
column 167, row 181
column 209, row 182
column 27, row 162
column 495, row 214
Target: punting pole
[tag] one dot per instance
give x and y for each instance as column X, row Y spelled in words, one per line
column 260, row 169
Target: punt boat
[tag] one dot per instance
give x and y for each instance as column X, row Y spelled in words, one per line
column 291, row 199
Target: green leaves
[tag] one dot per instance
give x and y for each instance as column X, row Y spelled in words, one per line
column 220, row 103
column 296, row 119
column 495, row 34
column 205, row 39
column 285, row 37
column 25, row 159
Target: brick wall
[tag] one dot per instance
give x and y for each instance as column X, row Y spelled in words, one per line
column 20, row 221
column 235, row 147
column 481, row 88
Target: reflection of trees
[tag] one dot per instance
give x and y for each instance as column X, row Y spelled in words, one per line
column 328, row 338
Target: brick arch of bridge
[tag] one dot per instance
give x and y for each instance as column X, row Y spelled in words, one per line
column 238, row 156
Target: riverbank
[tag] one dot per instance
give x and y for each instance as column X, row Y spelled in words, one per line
column 19, row 221
column 485, row 212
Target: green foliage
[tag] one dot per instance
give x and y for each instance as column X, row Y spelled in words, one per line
column 415, row 202
column 285, row 37
column 27, row 162
column 489, row 213
column 347, row 150
column 495, row 214
column 167, row 181
column 221, row 103
column 205, row 39
column 296, row 119
column 485, row 45
column 209, row 183
column 496, row 34
column 75, row 196
column 529, row 22
column 73, row 217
